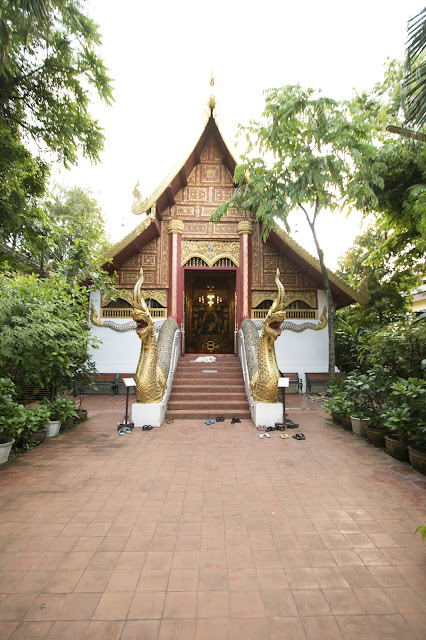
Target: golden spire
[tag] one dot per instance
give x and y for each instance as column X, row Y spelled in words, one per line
column 212, row 100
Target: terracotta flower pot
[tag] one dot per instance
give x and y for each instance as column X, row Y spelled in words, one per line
column 376, row 436
column 396, row 448
column 346, row 423
column 417, row 457
column 38, row 436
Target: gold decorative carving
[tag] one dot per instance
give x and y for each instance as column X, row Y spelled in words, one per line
column 210, row 252
column 323, row 321
column 150, row 380
column 245, row 226
column 310, row 297
column 176, row 226
column 160, row 295
column 264, row 383
column 94, row 317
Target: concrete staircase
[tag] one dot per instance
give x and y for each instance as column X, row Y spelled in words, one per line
column 205, row 396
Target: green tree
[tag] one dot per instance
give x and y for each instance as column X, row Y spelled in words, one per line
column 44, row 332
column 75, row 234
column 49, row 70
column 310, row 153
column 415, row 76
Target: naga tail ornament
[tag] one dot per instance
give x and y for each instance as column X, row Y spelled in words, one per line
column 264, row 384
column 150, row 380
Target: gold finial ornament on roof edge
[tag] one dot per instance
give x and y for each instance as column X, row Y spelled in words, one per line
column 264, row 383
column 150, row 380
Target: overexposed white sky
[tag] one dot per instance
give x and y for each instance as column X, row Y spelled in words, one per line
column 161, row 56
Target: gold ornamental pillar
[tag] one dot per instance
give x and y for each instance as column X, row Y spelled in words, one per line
column 245, row 229
column 176, row 271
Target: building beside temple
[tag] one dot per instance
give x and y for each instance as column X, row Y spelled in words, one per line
column 211, row 276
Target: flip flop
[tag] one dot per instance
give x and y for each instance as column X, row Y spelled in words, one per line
column 261, row 435
column 220, row 419
column 234, row 420
column 169, row 420
column 209, row 422
column 128, row 430
column 121, row 432
column 267, row 435
column 261, row 427
column 284, row 435
column 270, row 428
column 299, row 436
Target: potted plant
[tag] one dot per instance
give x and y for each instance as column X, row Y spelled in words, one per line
column 339, row 406
column 405, row 416
column 37, row 423
column 83, row 378
column 61, row 409
column 12, row 418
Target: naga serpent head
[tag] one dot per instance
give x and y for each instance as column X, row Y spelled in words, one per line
column 140, row 312
column 276, row 314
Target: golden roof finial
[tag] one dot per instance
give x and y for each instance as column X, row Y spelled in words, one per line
column 212, row 99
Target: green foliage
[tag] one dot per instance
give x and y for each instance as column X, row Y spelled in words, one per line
column 61, row 408
column 422, row 530
column 16, row 421
column 406, row 410
column 414, row 81
column 44, row 333
column 49, row 70
column 338, row 402
column 400, row 348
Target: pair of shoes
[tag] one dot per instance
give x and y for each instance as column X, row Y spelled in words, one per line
column 264, row 435
column 209, row 422
column 147, row 427
column 169, row 420
column 220, row 419
column 124, row 430
column 280, row 427
column 284, row 435
column 261, row 427
column 234, row 420
column 299, row 436
column 270, row 428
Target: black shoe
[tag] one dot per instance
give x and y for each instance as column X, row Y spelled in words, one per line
column 234, row 420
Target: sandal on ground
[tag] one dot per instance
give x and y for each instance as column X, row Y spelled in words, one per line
column 220, row 419
column 261, row 435
column 261, row 427
column 169, row 420
column 267, row 435
column 121, row 432
column 234, row 420
column 128, row 430
column 209, row 422
column 270, row 428
column 146, row 427
column 284, row 435
column 299, row 436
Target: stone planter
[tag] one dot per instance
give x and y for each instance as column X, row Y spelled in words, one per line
column 82, row 415
column 359, row 425
column 38, row 436
column 376, row 436
column 417, row 459
column 5, row 446
column 67, row 424
column 346, row 423
column 396, row 448
column 53, row 427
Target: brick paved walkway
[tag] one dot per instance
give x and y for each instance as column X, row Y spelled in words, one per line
column 198, row 532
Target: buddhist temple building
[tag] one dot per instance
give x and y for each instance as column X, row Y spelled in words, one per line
column 211, row 276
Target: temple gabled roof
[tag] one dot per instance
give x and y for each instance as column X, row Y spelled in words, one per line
column 165, row 194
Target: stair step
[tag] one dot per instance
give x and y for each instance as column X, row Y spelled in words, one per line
column 199, row 414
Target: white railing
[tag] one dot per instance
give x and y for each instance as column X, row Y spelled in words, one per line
column 127, row 313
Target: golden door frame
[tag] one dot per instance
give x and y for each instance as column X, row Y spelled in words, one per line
column 209, row 328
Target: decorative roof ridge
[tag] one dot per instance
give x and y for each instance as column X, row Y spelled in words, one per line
column 140, row 205
column 121, row 244
column 356, row 294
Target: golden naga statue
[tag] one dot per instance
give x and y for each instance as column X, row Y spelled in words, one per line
column 150, row 380
column 264, row 383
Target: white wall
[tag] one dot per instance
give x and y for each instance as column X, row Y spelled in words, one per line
column 119, row 352
column 306, row 351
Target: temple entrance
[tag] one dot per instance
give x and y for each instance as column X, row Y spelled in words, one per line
column 209, row 311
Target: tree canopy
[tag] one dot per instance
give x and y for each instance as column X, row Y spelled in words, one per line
column 415, row 76
column 49, row 69
column 309, row 153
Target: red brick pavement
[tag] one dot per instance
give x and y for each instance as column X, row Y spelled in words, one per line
column 194, row 532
